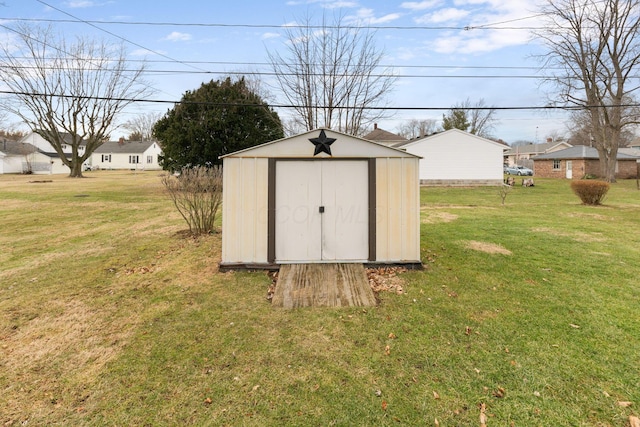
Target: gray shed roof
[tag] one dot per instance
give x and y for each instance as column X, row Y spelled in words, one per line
column 578, row 152
column 135, row 147
column 16, row 148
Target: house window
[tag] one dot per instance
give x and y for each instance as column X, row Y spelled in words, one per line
column 149, row 159
column 134, row 159
column 556, row 165
column 106, row 158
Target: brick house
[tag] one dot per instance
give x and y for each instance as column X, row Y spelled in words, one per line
column 578, row 161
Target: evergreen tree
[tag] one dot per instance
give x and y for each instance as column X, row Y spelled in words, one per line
column 218, row 118
column 457, row 119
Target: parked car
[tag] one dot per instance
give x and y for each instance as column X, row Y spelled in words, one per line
column 518, row 170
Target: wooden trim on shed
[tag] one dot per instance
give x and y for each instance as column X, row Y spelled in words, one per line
column 372, row 209
column 271, row 211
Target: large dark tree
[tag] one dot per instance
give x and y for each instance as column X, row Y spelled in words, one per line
column 219, row 118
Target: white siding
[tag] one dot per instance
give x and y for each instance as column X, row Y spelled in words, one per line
column 458, row 156
column 397, row 210
column 244, row 210
column 124, row 160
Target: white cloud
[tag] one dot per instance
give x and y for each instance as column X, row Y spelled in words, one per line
column 339, row 4
column 145, row 52
column 327, row 4
column 77, row 4
column 177, row 36
column 367, row 16
column 422, row 5
column 266, row 36
column 443, row 15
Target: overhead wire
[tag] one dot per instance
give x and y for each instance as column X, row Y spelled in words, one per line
column 199, row 70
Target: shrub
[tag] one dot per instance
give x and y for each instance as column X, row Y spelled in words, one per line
column 591, row 192
column 197, row 193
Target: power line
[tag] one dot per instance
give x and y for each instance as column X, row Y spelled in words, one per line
column 280, row 26
column 273, row 73
column 119, row 37
column 389, row 66
column 293, row 106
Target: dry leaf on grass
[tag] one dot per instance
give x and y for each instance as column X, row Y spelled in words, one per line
column 385, row 279
column 634, row 421
column 483, row 416
column 625, row 404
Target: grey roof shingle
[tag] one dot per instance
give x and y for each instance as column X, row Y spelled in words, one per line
column 578, row 152
column 134, row 147
column 16, row 148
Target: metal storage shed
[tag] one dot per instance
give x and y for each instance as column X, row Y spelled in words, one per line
column 320, row 196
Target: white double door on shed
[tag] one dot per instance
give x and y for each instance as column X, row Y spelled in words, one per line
column 322, row 211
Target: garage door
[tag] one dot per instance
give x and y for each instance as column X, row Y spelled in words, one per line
column 322, row 211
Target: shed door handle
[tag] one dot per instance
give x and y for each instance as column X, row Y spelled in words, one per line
column 321, row 209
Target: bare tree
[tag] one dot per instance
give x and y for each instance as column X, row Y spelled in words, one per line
column 595, row 46
column 331, row 75
column 478, row 119
column 581, row 133
column 141, row 126
column 415, row 128
column 197, row 194
column 73, row 88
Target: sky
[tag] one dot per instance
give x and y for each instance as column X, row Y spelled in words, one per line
column 443, row 51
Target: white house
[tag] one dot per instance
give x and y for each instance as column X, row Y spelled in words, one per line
column 320, row 196
column 140, row 155
column 455, row 157
column 22, row 157
column 46, row 160
column 15, row 156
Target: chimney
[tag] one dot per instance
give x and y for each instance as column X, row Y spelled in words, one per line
column 549, row 139
column 121, row 140
column 375, row 126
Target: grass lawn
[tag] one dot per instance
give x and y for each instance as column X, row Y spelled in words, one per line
column 110, row 315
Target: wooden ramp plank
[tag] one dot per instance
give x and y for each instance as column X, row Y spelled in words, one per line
column 323, row 285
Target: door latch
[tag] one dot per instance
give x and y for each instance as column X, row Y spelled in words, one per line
column 321, row 209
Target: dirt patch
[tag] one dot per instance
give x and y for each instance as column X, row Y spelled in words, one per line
column 578, row 236
column 436, row 217
column 598, row 217
column 490, row 248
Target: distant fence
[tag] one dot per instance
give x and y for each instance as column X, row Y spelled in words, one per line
column 37, row 167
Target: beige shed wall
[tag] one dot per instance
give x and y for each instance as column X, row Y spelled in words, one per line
column 245, row 210
column 397, row 210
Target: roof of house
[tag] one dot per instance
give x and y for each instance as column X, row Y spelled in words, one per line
column 66, row 138
column 462, row 133
column 536, row 148
column 630, row 151
column 578, row 152
column 16, row 148
column 135, row 147
column 383, row 136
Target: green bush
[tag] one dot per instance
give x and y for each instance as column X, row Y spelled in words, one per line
column 591, row 192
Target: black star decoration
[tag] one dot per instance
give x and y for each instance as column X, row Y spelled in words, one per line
column 322, row 143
